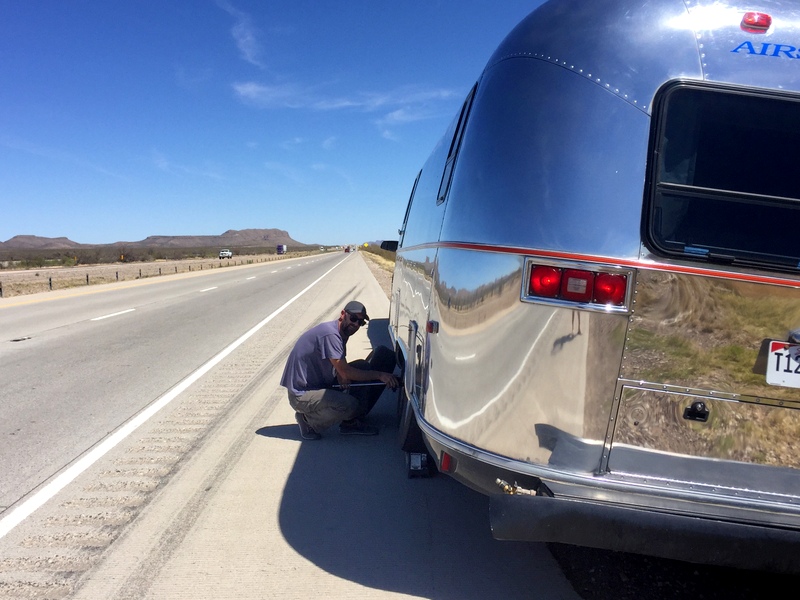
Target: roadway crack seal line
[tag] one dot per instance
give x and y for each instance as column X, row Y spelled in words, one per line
column 27, row 508
column 147, row 569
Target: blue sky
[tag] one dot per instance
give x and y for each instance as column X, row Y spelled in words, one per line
column 120, row 120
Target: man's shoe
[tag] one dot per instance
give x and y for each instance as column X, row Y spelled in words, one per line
column 357, row 427
column 306, row 431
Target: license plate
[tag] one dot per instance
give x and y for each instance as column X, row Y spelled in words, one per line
column 783, row 364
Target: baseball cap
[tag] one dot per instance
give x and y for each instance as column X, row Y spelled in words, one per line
column 356, row 308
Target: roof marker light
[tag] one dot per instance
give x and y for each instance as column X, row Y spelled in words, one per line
column 756, row 22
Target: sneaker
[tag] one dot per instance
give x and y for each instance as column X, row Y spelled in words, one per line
column 356, row 427
column 306, row 431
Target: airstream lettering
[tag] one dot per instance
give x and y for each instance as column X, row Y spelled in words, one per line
column 596, row 298
column 768, row 50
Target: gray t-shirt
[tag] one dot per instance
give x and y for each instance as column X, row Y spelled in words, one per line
column 308, row 366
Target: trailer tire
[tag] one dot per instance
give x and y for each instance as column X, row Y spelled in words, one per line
column 409, row 436
column 418, row 461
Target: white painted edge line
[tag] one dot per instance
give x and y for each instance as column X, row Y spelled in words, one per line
column 116, row 314
column 209, row 289
column 27, row 508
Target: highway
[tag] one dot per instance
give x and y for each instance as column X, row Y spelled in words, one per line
column 77, row 365
column 101, row 502
column 148, row 451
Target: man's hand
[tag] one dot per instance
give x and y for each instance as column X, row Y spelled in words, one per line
column 389, row 380
column 344, row 382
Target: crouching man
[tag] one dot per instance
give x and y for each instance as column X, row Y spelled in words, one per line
column 318, row 361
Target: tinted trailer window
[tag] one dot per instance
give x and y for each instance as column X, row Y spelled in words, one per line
column 725, row 179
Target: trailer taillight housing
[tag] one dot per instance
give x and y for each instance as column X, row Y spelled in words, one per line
column 591, row 287
column 756, row 22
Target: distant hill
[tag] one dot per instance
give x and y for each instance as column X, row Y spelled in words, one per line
column 245, row 238
column 34, row 242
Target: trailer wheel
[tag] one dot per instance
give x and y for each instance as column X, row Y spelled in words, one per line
column 409, row 436
column 401, row 404
column 419, row 462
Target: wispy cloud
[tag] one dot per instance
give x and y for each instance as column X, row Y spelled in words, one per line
column 323, row 168
column 408, row 114
column 162, row 163
column 55, row 154
column 292, row 95
column 244, row 33
column 399, row 107
column 292, row 143
column 271, row 96
column 403, row 116
column 289, row 172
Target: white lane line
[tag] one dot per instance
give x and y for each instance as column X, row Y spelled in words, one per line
column 208, row 289
column 116, row 314
column 27, row 508
column 249, row 278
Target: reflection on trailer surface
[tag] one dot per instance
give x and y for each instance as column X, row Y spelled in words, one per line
column 597, row 289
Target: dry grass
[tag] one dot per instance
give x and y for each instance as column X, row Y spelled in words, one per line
column 32, row 281
column 382, row 269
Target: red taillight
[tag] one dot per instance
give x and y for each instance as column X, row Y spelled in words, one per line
column 610, row 289
column 577, row 286
column 756, row 22
column 446, row 463
column 545, row 281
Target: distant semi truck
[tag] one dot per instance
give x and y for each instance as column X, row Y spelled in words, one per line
column 282, row 248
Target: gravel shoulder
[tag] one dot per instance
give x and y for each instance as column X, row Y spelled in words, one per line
column 381, row 269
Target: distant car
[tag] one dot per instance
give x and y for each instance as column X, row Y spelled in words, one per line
column 225, row 254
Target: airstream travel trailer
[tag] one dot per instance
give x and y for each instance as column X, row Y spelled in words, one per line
column 596, row 299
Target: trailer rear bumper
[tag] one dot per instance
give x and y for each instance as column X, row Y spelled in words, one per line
column 627, row 529
column 615, row 520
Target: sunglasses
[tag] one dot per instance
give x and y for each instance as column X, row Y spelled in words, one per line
column 355, row 319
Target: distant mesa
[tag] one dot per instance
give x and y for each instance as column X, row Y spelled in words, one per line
column 34, row 242
column 254, row 238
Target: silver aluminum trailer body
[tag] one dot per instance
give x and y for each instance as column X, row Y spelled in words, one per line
column 597, row 280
